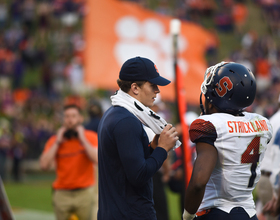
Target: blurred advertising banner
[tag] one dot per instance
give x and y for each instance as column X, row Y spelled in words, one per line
column 118, row 30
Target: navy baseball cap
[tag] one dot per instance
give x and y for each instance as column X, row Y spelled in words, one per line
column 141, row 69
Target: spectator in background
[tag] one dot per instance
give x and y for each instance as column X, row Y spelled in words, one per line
column 239, row 15
column 18, row 72
column 59, row 77
column 44, row 12
column 270, row 166
column 262, row 74
column 95, row 114
column 17, row 150
column 74, row 150
column 5, row 145
column 28, row 14
column 3, row 15
column 16, row 11
column 75, row 74
column 47, row 77
column 248, row 39
column 29, row 52
column 272, row 208
column 70, row 14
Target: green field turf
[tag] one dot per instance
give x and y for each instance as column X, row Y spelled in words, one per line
column 173, row 205
column 35, row 194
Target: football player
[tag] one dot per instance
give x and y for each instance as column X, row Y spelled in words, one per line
column 230, row 146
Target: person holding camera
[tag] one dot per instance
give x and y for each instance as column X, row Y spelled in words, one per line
column 74, row 151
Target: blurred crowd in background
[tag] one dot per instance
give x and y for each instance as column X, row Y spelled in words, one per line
column 41, row 63
column 41, row 44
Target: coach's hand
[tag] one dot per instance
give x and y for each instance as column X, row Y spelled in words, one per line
column 154, row 142
column 168, row 138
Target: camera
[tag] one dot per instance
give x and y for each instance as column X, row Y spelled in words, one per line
column 70, row 133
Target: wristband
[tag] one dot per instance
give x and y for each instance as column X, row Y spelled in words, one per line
column 187, row 215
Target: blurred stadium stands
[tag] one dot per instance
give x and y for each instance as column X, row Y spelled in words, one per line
column 41, row 45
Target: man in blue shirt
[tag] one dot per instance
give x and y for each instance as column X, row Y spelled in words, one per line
column 126, row 159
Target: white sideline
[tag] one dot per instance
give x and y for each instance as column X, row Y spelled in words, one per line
column 26, row 214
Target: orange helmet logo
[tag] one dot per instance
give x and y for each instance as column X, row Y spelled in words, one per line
column 224, row 86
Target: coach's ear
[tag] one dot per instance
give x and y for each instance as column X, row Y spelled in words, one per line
column 134, row 88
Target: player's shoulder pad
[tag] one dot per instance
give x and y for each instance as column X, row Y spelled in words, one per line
column 201, row 128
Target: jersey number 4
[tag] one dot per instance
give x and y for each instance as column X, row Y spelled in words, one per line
column 252, row 155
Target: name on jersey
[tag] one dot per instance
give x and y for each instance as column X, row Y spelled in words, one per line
column 247, row 127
